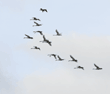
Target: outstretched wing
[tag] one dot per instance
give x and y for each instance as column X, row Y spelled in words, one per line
column 57, row 32
column 45, row 10
column 59, row 57
column 72, row 57
column 44, row 37
column 40, row 32
column 36, row 23
column 27, row 35
column 54, row 56
column 38, row 19
column 96, row 66
column 48, row 42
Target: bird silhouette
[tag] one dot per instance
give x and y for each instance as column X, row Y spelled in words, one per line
column 58, row 34
column 54, row 55
column 38, row 32
column 35, row 47
column 46, row 41
column 79, row 67
column 72, row 59
column 43, row 10
column 34, row 18
column 28, row 36
column 97, row 68
column 59, row 59
column 37, row 24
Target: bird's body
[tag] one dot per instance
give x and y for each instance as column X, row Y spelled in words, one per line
column 37, row 24
column 58, row 34
column 79, row 67
column 46, row 41
column 34, row 18
column 73, row 59
column 43, row 10
column 97, row 67
column 28, row 36
column 60, row 59
column 35, row 47
column 54, row 55
column 38, row 32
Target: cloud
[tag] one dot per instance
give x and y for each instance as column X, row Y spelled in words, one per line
column 87, row 50
column 13, row 4
column 17, row 5
column 7, row 80
column 63, row 81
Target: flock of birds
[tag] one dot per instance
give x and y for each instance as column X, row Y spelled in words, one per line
column 57, row 57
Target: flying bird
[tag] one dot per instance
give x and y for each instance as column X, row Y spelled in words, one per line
column 46, row 41
column 28, row 36
column 37, row 24
column 54, row 55
column 43, row 10
column 34, row 18
column 79, row 67
column 60, row 59
column 73, row 59
column 35, row 47
column 38, row 32
column 97, row 68
column 58, row 34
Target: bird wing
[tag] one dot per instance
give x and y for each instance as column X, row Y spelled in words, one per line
column 41, row 33
column 59, row 57
column 27, row 35
column 38, row 31
column 36, row 23
column 82, row 68
column 44, row 37
column 57, row 32
column 72, row 57
column 39, row 19
column 96, row 66
column 54, row 56
column 46, row 10
column 48, row 42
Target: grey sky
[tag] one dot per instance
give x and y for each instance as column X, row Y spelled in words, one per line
column 85, row 29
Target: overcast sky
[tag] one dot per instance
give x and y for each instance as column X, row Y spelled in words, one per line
column 84, row 25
